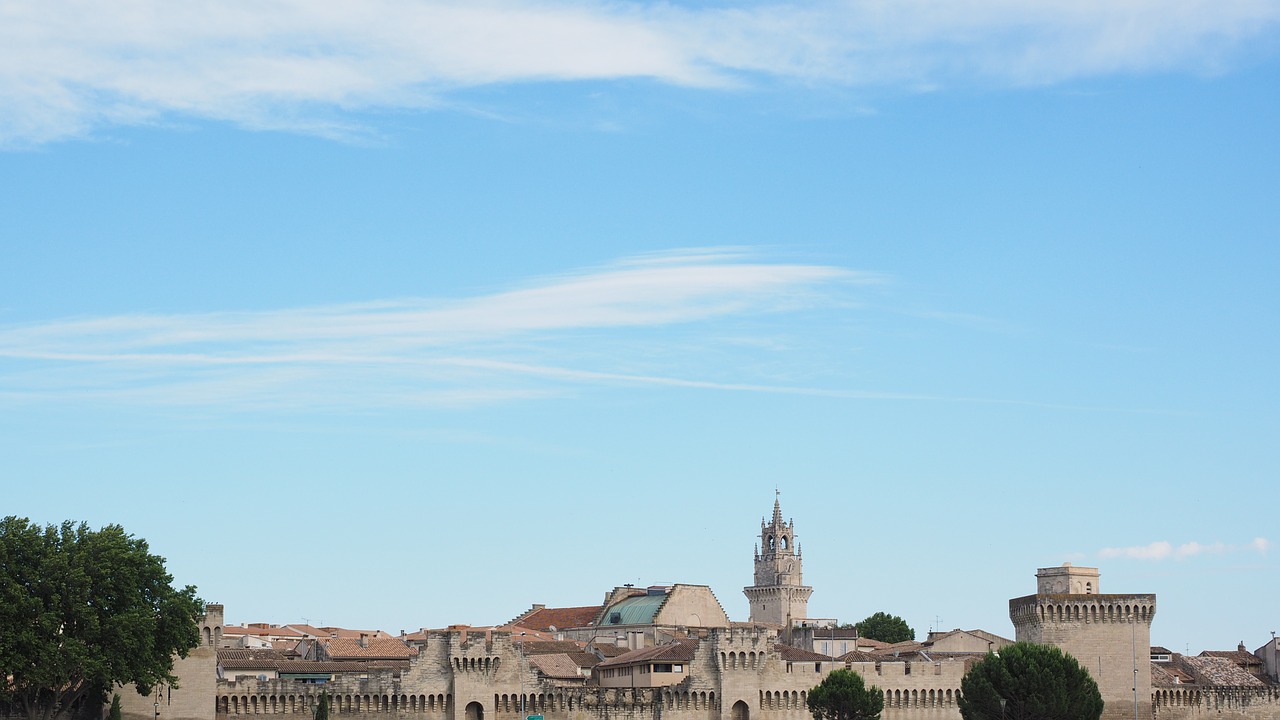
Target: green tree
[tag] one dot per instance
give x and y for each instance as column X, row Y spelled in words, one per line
column 885, row 628
column 114, row 714
column 322, row 707
column 843, row 696
column 82, row 611
column 1026, row 681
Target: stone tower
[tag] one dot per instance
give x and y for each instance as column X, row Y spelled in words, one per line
column 779, row 596
column 1109, row 635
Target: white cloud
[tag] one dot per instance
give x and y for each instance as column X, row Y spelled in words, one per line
column 69, row 66
column 1155, row 551
column 1162, row 550
column 478, row 349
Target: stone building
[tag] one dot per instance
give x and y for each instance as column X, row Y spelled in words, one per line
column 671, row 653
column 1109, row 635
column 779, row 596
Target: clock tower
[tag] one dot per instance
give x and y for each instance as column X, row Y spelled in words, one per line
column 779, row 596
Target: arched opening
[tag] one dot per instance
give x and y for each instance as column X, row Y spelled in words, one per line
column 741, row 711
column 474, row 711
column 771, row 541
column 783, row 540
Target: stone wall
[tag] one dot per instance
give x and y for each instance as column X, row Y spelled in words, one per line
column 1110, row 636
column 192, row 699
column 734, row 675
column 1219, row 704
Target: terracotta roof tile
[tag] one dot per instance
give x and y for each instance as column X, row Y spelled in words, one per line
column 1243, row 658
column 557, row 666
column 795, row 654
column 257, row 655
column 384, row 648
column 559, row 618
column 859, row 656
column 547, row 647
column 584, row 659
column 1220, row 672
column 679, row 651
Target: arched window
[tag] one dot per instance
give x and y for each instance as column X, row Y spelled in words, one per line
column 771, row 542
column 784, row 542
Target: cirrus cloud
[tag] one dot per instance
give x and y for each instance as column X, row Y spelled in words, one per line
column 1163, row 550
column 68, row 67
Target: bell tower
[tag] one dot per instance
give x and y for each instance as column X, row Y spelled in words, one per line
column 779, row 596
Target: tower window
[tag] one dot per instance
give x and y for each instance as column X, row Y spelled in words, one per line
column 784, row 542
column 770, row 542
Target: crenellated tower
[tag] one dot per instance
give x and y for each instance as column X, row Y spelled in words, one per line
column 1110, row 635
column 779, row 596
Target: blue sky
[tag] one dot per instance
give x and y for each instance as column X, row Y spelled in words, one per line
column 400, row 314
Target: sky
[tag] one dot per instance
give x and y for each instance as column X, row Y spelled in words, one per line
column 397, row 314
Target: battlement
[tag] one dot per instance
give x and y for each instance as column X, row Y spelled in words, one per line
column 1038, row 609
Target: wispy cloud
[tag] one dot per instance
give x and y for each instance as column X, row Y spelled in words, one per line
column 513, row 344
column 305, row 65
column 1164, row 550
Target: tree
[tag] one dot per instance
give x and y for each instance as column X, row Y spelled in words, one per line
column 322, row 707
column 885, row 628
column 83, row 611
column 1026, row 681
column 843, row 696
column 114, row 713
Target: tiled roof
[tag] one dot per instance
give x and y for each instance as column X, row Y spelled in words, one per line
column 898, row 649
column 344, row 633
column 610, row 651
column 679, row 651
column 1160, row 650
column 250, row 664
column 311, row 630
column 257, row 655
column 383, row 648
column 795, row 654
column 560, row 618
column 1169, row 675
column 859, row 656
column 557, row 666
column 584, row 659
column 1243, row 658
column 1220, row 671
column 547, row 647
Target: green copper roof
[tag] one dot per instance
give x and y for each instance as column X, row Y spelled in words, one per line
column 634, row 610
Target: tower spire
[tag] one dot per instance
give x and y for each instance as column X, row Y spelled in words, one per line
column 779, row 594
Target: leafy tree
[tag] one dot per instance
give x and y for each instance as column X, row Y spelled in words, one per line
column 322, row 707
column 114, row 714
column 843, row 696
column 1032, row 682
column 84, row 610
column 885, row 628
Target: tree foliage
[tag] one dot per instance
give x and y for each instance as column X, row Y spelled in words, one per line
column 885, row 628
column 843, row 696
column 82, row 611
column 1037, row 682
column 322, row 707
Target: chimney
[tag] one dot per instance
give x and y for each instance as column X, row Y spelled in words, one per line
column 364, row 640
